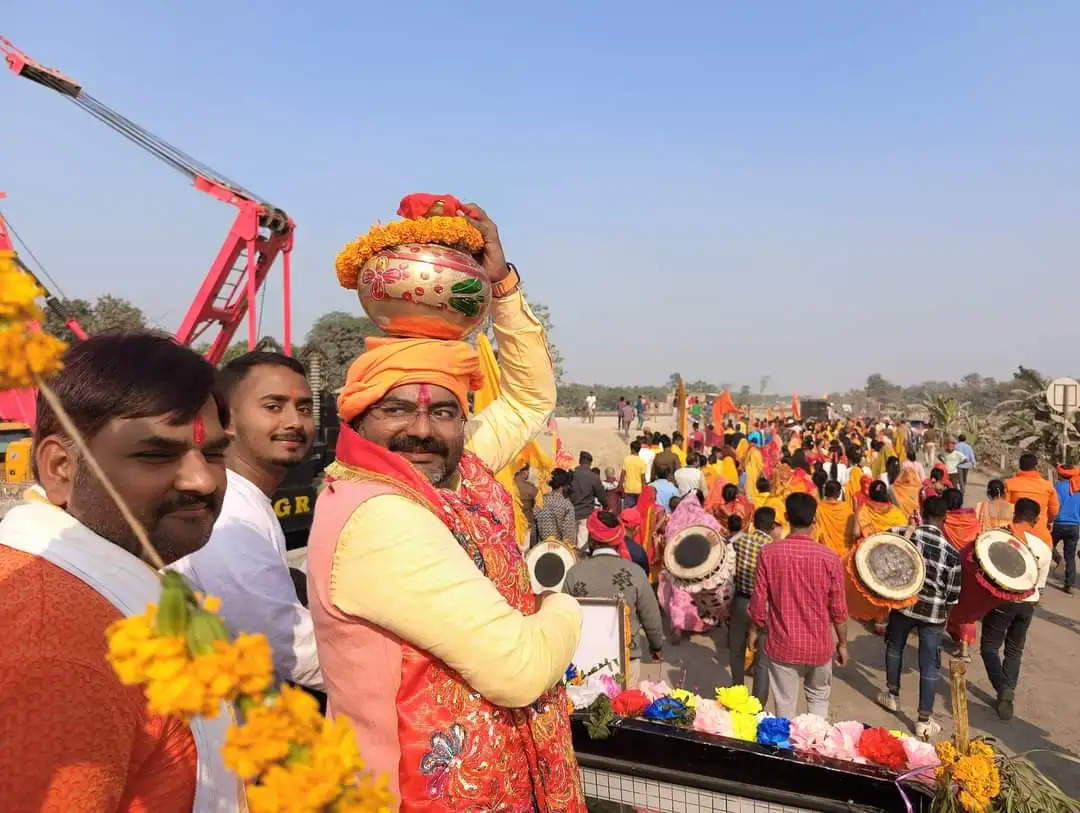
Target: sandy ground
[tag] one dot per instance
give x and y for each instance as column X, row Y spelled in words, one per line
column 1047, row 712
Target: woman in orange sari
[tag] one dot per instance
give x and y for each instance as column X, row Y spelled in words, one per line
column 650, row 511
column 876, row 515
column 995, row 511
column 961, row 524
column 724, row 500
column 905, row 493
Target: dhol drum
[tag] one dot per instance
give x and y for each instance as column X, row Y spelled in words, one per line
column 548, row 564
column 887, row 570
column 700, row 562
column 997, row 568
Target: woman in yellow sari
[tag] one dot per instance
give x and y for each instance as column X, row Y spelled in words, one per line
column 753, row 465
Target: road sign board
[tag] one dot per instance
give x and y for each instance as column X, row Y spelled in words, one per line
column 1063, row 394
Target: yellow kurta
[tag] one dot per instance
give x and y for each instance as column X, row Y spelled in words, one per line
column 397, row 566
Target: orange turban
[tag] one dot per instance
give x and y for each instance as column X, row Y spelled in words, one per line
column 390, row 363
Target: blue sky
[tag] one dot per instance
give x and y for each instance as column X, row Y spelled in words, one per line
column 814, row 191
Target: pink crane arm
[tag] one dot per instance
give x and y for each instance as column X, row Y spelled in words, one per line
column 259, row 234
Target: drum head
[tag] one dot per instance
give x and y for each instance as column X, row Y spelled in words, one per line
column 1006, row 561
column 890, row 566
column 694, row 552
column 548, row 564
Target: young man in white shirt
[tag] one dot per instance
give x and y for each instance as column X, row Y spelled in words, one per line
column 271, row 427
column 690, row 477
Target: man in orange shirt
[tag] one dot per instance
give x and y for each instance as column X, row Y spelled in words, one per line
column 75, row 739
column 1029, row 484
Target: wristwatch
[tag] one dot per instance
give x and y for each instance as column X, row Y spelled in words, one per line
column 508, row 284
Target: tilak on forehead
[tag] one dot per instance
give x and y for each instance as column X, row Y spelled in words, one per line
column 198, row 431
column 423, row 397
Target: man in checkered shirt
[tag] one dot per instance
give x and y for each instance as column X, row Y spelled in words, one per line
column 940, row 591
column 746, row 544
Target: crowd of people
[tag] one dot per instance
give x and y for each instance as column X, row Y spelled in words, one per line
column 793, row 500
column 416, row 622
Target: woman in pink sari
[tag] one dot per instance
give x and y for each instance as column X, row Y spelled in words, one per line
column 676, row 602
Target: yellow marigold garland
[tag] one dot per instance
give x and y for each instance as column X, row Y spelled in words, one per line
column 290, row 757
column 973, row 776
column 25, row 352
column 454, row 232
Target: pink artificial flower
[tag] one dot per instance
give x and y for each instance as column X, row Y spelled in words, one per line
column 712, row 718
column 654, row 691
column 919, row 754
column 843, row 742
column 808, row 732
column 610, row 687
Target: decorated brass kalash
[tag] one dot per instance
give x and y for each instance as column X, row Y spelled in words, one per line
column 417, row 277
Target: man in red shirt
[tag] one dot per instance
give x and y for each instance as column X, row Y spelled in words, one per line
column 799, row 600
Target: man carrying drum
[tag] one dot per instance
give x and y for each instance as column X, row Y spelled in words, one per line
column 940, row 591
column 1008, row 624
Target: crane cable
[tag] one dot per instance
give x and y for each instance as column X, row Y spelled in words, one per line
column 175, row 157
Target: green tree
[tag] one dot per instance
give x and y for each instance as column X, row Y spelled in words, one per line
column 880, row 388
column 340, row 337
column 107, row 313
column 744, row 393
column 543, row 313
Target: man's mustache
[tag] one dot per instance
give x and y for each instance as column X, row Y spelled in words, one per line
column 414, row 444
column 183, row 501
column 297, row 437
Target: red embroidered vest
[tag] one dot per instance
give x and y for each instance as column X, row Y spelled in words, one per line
column 458, row 752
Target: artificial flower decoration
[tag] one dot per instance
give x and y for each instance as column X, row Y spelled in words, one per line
column 712, row 718
column 688, row 699
column 600, row 718
column 671, row 711
column 775, row 731
column 808, row 732
column 738, row 698
column 654, row 691
column 744, row 726
column 882, row 748
column 609, row 685
column 630, row 703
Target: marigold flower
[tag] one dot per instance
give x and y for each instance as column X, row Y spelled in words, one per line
column 18, row 292
column 26, row 353
column 454, row 232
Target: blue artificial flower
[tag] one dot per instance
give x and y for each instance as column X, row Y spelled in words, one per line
column 775, row 731
column 571, row 673
column 665, row 708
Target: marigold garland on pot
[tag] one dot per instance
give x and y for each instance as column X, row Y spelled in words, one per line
column 453, row 232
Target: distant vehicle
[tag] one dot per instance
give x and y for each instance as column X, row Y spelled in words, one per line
column 814, row 409
column 15, row 452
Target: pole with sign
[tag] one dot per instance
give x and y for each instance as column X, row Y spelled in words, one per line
column 1063, row 396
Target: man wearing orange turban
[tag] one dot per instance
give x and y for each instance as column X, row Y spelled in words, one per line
column 430, row 639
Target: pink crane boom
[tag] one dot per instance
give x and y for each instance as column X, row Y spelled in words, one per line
column 259, row 234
